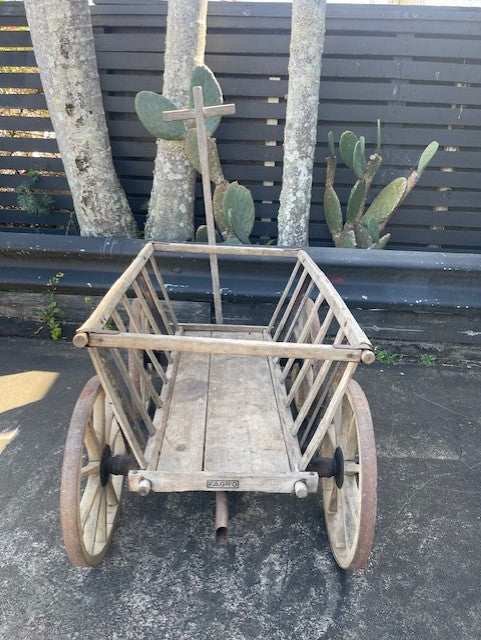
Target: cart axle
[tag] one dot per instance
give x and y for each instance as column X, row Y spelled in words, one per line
column 119, row 465
column 330, row 467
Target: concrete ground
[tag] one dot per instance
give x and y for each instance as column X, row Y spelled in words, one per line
column 164, row 578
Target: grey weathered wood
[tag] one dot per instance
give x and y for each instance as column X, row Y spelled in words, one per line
column 244, row 432
column 204, row 481
column 183, row 443
column 241, row 347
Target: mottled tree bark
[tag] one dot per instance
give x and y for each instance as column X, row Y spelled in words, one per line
column 307, row 43
column 171, row 206
column 62, row 39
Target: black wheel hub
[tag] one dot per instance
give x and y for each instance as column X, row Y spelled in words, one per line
column 115, row 465
column 339, row 463
column 330, row 467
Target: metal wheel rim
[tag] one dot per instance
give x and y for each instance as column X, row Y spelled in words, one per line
column 89, row 512
column 350, row 512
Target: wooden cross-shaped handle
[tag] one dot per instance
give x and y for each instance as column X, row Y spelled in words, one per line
column 207, row 112
column 199, row 113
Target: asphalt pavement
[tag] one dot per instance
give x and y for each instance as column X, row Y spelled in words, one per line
column 165, row 578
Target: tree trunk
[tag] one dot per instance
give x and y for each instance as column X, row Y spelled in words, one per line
column 171, row 206
column 300, row 135
column 62, row 38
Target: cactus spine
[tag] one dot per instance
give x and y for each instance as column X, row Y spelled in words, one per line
column 362, row 229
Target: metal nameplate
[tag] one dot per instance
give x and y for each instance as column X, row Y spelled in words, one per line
column 222, row 484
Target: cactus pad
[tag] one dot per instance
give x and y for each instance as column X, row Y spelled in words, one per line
column 219, row 215
column 191, row 150
column 238, row 207
column 201, row 235
column 373, row 228
column 346, row 240
column 378, row 141
column 150, row 107
column 356, row 197
column 386, row 201
column 330, row 144
column 358, row 158
column 427, row 155
column 346, row 147
column 332, row 211
column 203, row 77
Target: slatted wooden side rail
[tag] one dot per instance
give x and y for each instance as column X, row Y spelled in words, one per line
column 415, row 68
column 311, row 311
column 137, row 380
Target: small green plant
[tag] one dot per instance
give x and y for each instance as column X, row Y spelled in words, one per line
column 428, row 359
column 110, row 325
column 385, row 356
column 49, row 315
column 27, row 199
column 356, row 227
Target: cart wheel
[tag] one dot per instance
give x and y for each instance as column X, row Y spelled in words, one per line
column 308, row 380
column 350, row 497
column 89, row 501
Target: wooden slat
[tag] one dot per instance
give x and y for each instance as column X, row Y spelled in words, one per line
column 244, row 432
column 110, row 387
column 239, row 347
column 111, row 299
column 214, row 481
column 183, row 444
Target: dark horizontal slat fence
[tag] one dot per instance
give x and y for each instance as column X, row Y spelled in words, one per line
column 416, row 68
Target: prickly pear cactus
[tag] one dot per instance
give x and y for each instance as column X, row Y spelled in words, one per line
column 332, row 211
column 150, row 107
column 202, row 236
column 203, row 77
column 385, row 202
column 220, row 217
column 191, row 149
column 347, row 144
column 239, row 210
column 427, row 155
column 359, row 229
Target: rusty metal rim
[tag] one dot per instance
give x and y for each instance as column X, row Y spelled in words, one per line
column 70, row 481
column 362, row 545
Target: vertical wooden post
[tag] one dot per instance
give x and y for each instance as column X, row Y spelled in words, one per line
column 209, row 213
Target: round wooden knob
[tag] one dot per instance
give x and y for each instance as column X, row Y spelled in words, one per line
column 144, row 487
column 301, row 489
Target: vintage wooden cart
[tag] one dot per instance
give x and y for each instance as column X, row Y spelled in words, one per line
column 219, row 407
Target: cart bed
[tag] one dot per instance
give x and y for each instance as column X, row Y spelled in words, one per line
column 224, row 416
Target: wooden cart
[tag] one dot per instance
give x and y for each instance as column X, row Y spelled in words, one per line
column 219, row 407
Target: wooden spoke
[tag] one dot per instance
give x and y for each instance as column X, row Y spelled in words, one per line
column 351, row 468
column 350, row 511
column 92, row 442
column 98, row 418
column 331, row 433
column 88, row 510
column 92, row 468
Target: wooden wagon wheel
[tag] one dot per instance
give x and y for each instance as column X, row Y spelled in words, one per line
column 350, row 497
column 306, row 383
column 90, row 498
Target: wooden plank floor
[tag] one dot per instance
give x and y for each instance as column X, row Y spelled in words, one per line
column 223, row 416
